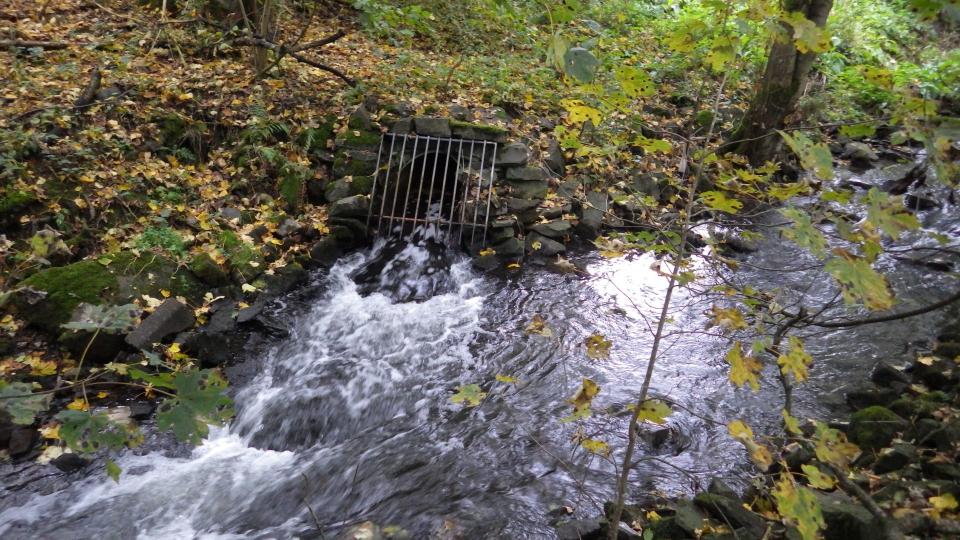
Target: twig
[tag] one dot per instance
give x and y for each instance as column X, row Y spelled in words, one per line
column 90, row 93
column 279, row 49
column 29, row 44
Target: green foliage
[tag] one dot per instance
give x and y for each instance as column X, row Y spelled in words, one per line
column 798, row 506
column 22, row 410
column 164, row 239
column 89, row 432
column 199, row 401
column 859, row 282
column 469, row 395
column 813, row 156
column 111, row 319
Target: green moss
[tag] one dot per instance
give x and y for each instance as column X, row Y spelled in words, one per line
column 480, row 132
column 245, row 260
column 345, row 164
column 204, row 267
column 359, row 139
column 874, row 427
column 65, row 288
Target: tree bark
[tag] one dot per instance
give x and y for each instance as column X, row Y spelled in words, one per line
column 779, row 88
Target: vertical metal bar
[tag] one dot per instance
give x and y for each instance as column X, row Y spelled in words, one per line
column 486, row 218
column 453, row 200
column 406, row 195
column 386, row 181
column 423, row 172
column 433, row 178
column 476, row 201
column 466, row 189
column 443, row 186
column 373, row 190
column 393, row 207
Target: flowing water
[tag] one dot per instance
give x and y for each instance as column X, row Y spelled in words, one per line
column 349, row 419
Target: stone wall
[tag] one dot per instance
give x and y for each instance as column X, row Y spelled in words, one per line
column 531, row 213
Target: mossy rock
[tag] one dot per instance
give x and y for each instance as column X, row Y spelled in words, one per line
column 875, row 427
column 354, row 163
column 207, row 269
column 358, row 139
column 314, row 140
column 479, row 132
column 121, row 280
column 348, row 186
column 65, row 288
column 245, row 260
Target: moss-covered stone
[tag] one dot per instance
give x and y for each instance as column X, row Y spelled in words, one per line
column 479, row 132
column 354, row 163
column 119, row 280
column 204, row 267
column 875, row 427
column 246, row 261
column 358, row 139
column 65, row 288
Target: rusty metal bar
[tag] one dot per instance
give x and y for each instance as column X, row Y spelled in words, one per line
column 486, row 216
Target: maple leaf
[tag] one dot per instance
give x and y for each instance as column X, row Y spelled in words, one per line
column 798, row 506
column 598, row 347
column 795, row 361
column 727, row 319
column 539, row 326
column 469, row 395
column 743, row 369
column 859, row 281
column 582, row 400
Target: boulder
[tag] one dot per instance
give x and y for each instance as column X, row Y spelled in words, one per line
column 432, row 126
column 688, row 517
column 581, row 529
column 591, row 219
column 289, row 227
column 477, row 132
column 885, row 374
column 325, row 252
column 209, row 271
column 875, row 427
column 895, row 458
column 48, row 298
column 513, row 155
column 360, row 119
column 402, row 126
column 69, row 462
column 170, row 317
column 553, row 157
column 528, row 190
column 868, row 394
column 730, row 510
column 510, row 248
column 846, row 520
column 542, row 246
column 859, row 154
column 919, row 203
column 518, row 206
column 527, row 174
column 355, row 206
column 555, row 229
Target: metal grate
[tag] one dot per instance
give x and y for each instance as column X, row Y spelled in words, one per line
column 436, row 184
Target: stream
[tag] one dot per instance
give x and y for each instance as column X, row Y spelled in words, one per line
column 349, row 419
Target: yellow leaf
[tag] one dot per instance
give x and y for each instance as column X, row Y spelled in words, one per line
column 164, row 293
column 740, row 431
column 598, row 347
column 727, row 319
column 942, row 503
column 101, row 395
column 513, row 266
column 596, row 447
column 654, row 410
column 507, row 379
column 539, row 327
column 580, row 112
column 796, row 360
column 743, row 369
column 78, row 404
column 817, row 478
column 487, row 251
column 50, row 431
column 791, row 423
column 582, row 399
column 246, row 287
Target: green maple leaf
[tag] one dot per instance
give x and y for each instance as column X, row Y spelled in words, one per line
column 859, row 282
column 807, row 36
column 635, row 82
column 469, row 395
column 717, row 200
column 654, row 410
column 799, row 506
column 795, row 361
column 803, row 233
column 200, row 401
column 22, row 410
column 888, row 214
column 814, row 157
column 743, row 369
column 88, row 432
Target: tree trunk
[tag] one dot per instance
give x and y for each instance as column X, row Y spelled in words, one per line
column 779, row 89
